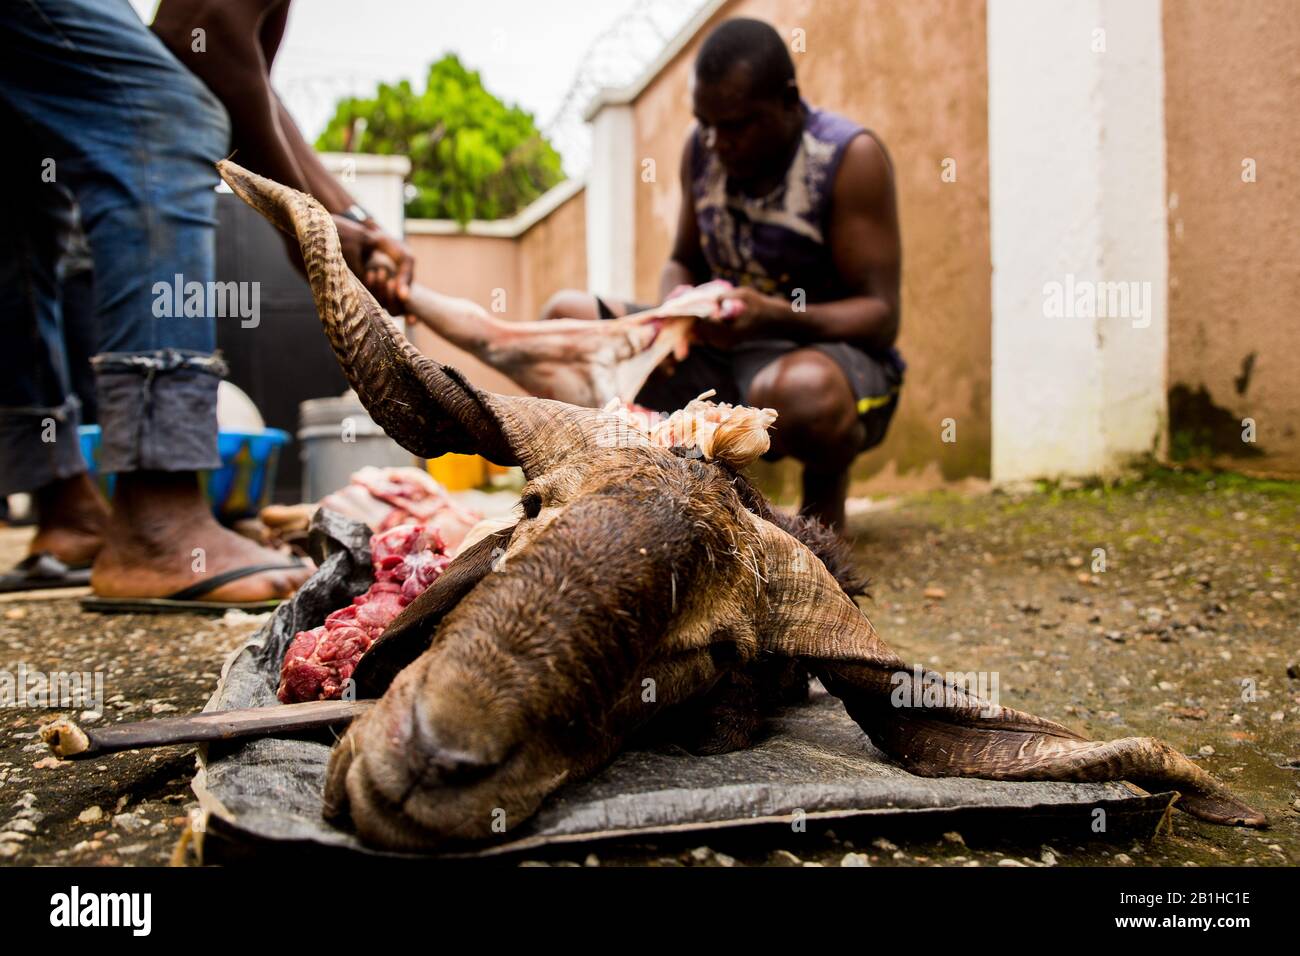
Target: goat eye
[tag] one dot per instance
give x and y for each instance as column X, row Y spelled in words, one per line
column 532, row 503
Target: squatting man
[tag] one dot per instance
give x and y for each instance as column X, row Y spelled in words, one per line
column 795, row 206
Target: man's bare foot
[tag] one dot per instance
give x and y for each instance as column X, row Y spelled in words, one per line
column 162, row 538
column 72, row 517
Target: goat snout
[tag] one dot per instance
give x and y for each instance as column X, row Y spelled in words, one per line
column 437, row 760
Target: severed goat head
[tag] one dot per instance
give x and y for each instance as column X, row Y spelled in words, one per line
column 640, row 583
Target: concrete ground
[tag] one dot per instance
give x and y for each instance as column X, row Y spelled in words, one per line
column 1182, row 628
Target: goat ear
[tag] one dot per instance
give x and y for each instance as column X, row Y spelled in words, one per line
column 934, row 727
column 411, row 632
column 429, row 409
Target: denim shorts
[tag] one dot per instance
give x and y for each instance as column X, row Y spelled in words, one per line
column 104, row 116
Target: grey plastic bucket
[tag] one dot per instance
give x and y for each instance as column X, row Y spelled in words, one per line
column 338, row 438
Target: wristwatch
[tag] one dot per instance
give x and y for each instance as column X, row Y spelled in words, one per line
column 357, row 214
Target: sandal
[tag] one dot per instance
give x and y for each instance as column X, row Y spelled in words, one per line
column 189, row 599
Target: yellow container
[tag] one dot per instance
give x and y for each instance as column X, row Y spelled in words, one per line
column 457, row 472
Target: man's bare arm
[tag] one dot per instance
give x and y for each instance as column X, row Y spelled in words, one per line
column 320, row 182
column 232, row 63
column 241, row 38
column 686, row 265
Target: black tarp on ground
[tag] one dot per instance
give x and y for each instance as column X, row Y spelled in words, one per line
column 265, row 794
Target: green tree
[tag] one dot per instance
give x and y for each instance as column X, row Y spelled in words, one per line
column 472, row 156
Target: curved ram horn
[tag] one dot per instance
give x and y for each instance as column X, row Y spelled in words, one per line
column 936, row 728
column 427, row 408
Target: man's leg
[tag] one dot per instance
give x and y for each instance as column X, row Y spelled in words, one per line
column 135, row 135
column 39, row 412
column 571, row 304
column 80, row 328
column 576, row 304
column 72, row 518
column 817, row 424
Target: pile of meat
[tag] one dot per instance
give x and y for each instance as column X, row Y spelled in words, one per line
column 386, row 497
column 379, row 497
column 407, row 559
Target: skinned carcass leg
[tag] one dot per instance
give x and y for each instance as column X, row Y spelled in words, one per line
column 580, row 362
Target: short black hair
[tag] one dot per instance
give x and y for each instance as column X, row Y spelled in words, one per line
column 754, row 43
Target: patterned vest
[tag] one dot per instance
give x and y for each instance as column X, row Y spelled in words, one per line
column 776, row 243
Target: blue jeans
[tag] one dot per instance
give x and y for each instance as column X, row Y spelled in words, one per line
column 98, row 109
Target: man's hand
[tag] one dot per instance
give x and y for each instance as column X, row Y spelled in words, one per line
column 383, row 263
column 679, row 289
column 396, row 285
column 743, row 314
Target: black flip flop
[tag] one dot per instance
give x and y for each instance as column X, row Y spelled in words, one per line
column 42, row 570
column 187, row 599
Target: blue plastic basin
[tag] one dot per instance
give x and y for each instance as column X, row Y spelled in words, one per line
column 238, row 489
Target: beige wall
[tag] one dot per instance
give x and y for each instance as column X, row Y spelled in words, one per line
column 546, row 258
column 553, row 256
column 916, row 74
column 1232, row 86
column 468, row 266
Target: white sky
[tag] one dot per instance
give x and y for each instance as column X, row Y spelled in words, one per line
column 528, row 51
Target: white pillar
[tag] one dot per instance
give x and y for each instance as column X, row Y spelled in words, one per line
column 376, row 183
column 1078, row 220
column 611, row 202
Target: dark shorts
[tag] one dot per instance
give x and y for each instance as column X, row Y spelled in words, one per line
column 875, row 380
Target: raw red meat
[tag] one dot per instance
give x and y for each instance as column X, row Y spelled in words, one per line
column 386, row 497
column 406, row 559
